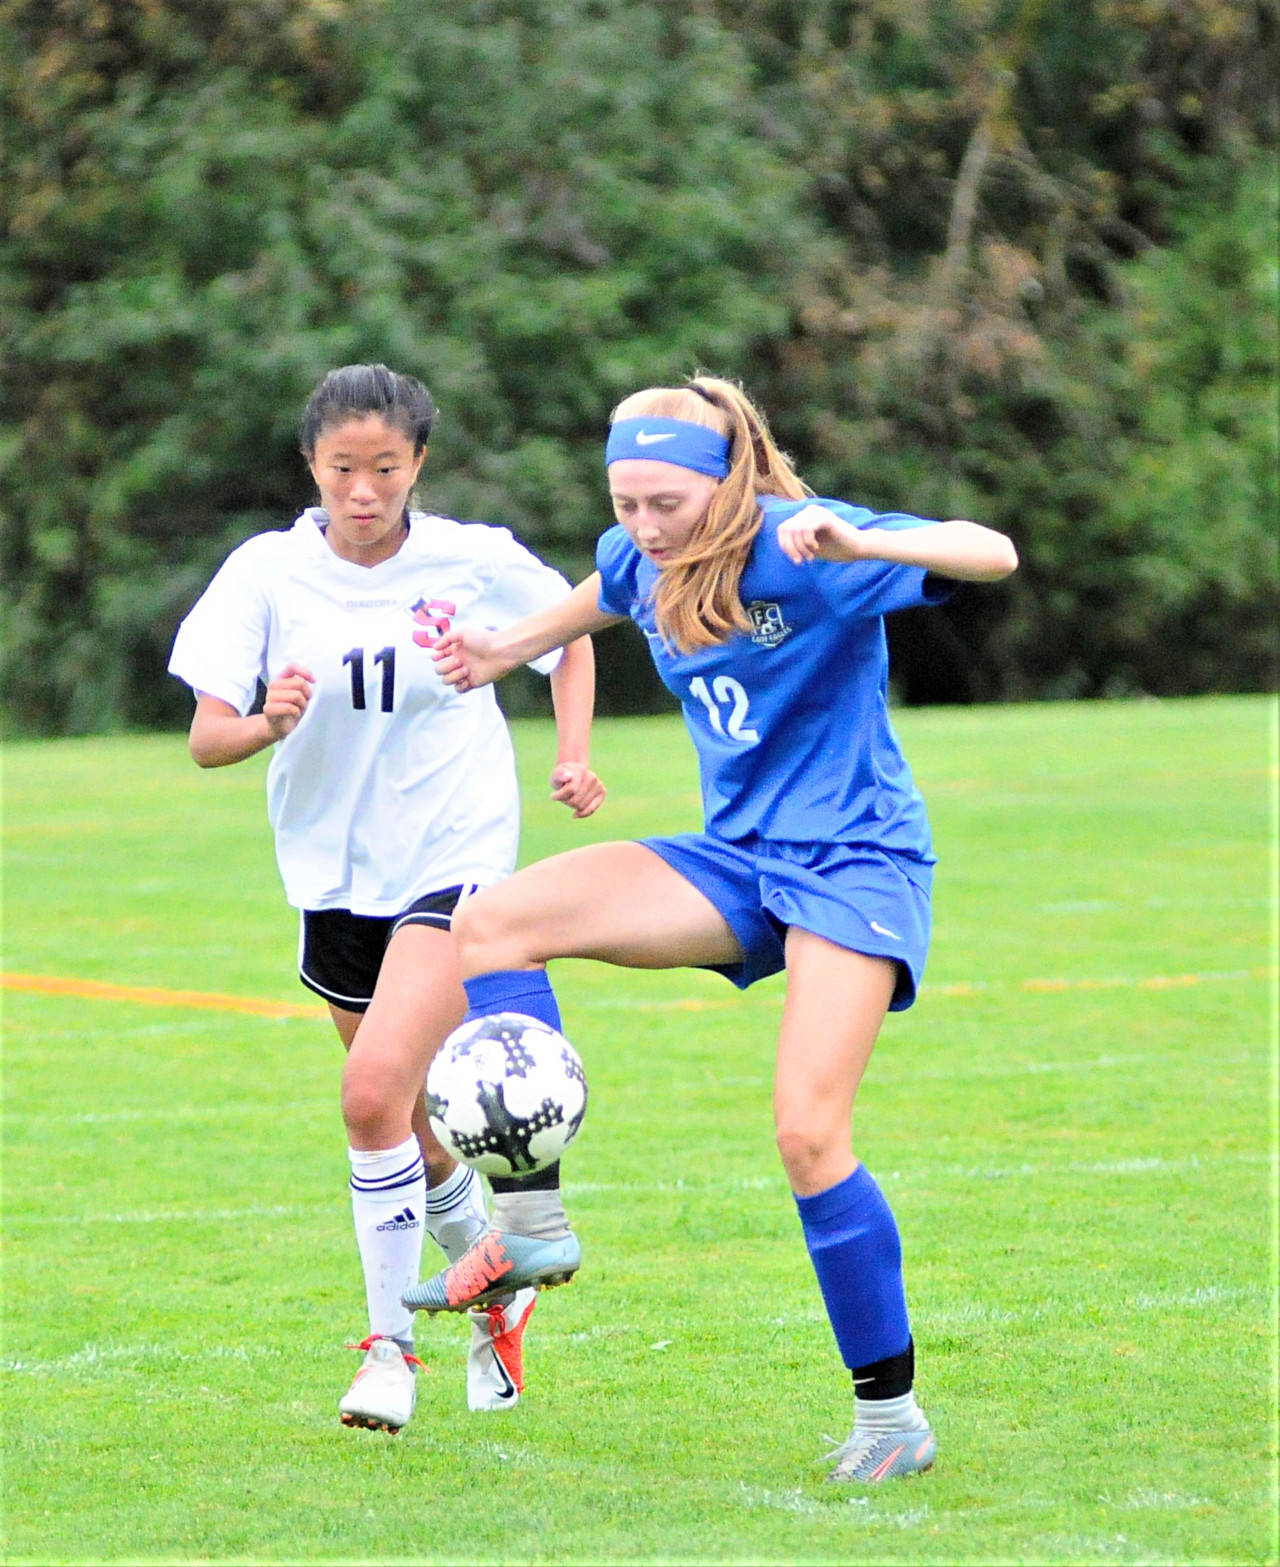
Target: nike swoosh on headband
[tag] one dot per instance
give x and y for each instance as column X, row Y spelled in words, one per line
column 684, row 444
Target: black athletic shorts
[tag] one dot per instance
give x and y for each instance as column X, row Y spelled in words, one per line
column 340, row 953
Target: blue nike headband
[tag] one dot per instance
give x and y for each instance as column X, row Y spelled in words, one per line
column 677, row 441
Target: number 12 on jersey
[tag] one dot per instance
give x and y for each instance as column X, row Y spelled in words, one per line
column 727, row 692
column 387, row 658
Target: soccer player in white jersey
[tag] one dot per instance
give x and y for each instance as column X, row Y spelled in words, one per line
column 392, row 798
column 764, row 611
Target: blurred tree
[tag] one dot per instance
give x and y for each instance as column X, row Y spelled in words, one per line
column 998, row 173
column 152, row 152
column 986, row 257
column 215, row 203
column 1174, row 560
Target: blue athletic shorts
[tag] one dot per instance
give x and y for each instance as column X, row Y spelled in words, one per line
column 854, row 896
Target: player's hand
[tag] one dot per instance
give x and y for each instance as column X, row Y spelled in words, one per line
column 465, row 659
column 815, row 533
column 287, row 698
column 575, row 785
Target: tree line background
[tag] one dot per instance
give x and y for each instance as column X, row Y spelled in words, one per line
column 1006, row 259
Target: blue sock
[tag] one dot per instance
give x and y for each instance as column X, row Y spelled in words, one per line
column 854, row 1247
column 513, row 990
column 516, row 990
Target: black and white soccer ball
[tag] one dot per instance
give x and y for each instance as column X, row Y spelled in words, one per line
column 506, row 1094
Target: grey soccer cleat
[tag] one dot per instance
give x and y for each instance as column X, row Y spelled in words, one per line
column 497, row 1264
column 873, row 1456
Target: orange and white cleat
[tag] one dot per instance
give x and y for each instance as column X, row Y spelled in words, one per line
column 495, row 1361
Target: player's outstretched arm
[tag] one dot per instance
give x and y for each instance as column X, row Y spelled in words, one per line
column 468, row 657
column 219, row 736
column 964, row 550
column 573, row 695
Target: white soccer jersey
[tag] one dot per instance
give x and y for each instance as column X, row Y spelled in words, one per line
column 392, row 784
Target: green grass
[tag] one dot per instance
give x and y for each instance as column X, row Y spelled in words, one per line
column 1076, row 1127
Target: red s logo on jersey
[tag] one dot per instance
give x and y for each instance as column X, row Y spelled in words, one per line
column 433, row 616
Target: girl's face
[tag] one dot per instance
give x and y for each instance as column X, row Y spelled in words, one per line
column 364, row 469
column 659, row 504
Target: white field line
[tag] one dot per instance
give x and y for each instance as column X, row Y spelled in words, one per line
column 831, row 1510
column 175, row 1215
column 1104, row 1548
column 944, row 1173
column 910, row 1068
column 1150, row 1165
column 585, row 1190
column 1208, row 1297
column 1171, row 1500
column 93, row 1359
column 161, row 1113
column 791, row 1501
column 873, row 1512
column 96, row 1357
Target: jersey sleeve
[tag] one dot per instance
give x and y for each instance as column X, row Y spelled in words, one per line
column 520, row 584
column 860, row 589
column 617, row 561
column 220, row 648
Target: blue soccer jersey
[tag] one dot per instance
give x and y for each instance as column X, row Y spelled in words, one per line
column 791, row 720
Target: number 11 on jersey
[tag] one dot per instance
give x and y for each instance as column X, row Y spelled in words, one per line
column 387, row 658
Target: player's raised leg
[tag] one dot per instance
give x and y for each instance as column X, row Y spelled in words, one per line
column 836, row 1003
column 618, row 903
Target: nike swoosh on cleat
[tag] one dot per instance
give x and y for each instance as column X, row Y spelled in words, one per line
column 510, row 1390
column 643, row 437
column 883, row 1468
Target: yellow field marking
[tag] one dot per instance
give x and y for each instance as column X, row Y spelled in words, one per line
column 153, row 996
column 149, row 995
column 1043, row 987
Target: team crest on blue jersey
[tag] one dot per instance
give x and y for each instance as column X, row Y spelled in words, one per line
column 770, row 627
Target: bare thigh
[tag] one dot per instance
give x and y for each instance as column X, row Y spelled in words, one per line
column 617, row 902
column 416, row 1004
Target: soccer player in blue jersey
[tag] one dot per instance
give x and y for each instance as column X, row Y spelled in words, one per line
column 764, row 611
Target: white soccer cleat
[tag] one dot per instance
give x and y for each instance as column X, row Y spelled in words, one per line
column 385, row 1388
column 495, row 1361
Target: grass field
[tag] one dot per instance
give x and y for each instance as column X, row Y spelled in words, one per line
column 1076, row 1127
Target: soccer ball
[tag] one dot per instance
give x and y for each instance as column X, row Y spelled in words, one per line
column 506, row 1094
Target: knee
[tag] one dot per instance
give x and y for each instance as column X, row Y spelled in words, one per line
column 486, row 934
column 801, row 1154
column 369, row 1117
column 808, row 1145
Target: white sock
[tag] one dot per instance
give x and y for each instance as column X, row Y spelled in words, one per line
column 888, row 1414
column 388, row 1198
column 456, row 1214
